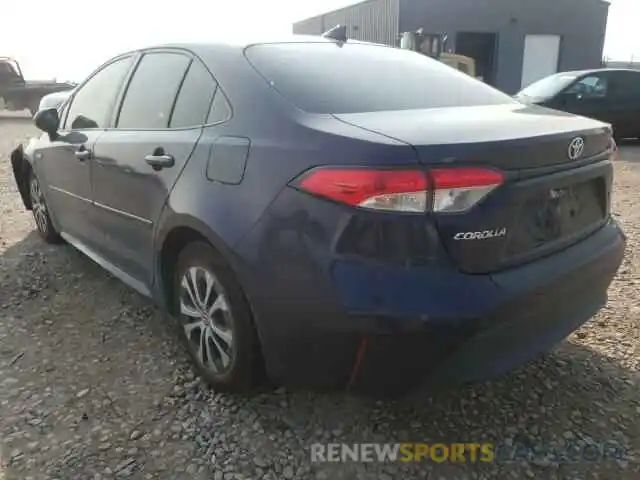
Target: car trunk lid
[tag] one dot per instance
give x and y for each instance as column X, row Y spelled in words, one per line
column 510, row 137
column 557, row 177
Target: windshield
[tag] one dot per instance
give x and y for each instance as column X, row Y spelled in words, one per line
column 357, row 78
column 548, row 86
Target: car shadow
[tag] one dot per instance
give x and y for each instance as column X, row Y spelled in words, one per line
column 49, row 293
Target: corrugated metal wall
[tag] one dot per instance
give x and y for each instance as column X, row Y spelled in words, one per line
column 309, row 26
column 581, row 23
column 371, row 21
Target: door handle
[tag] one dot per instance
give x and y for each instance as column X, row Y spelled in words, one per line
column 158, row 162
column 82, row 154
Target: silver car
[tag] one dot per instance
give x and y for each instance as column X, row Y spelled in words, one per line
column 54, row 100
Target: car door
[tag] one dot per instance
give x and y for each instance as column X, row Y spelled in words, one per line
column 624, row 90
column 588, row 96
column 635, row 103
column 66, row 164
column 137, row 163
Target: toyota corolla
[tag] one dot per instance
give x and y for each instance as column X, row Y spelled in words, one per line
column 330, row 214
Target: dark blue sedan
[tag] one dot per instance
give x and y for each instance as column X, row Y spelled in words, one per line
column 328, row 214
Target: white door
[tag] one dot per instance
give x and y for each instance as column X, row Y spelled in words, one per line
column 541, row 55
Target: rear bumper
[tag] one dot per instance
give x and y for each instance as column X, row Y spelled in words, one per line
column 547, row 300
column 412, row 327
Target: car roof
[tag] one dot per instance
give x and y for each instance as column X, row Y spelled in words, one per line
column 597, row 70
column 242, row 42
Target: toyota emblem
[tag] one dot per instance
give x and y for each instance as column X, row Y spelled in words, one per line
column 576, row 148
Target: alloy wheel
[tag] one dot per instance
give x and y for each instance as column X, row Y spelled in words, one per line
column 207, row 319
column 38, row 206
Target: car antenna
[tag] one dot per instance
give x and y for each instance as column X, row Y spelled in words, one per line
column 337, row 33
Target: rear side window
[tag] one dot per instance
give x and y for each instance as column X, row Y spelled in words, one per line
column 92, row 105
column 625, row 85
column 152, row 91
column 194, row 98
column 220, row 110
column 354, row 78
column 7, row 73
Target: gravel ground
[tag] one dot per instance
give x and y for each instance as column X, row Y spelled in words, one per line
column 93, row 385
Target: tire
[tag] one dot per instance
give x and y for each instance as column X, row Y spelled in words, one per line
column 41, row 212
column 217, row 331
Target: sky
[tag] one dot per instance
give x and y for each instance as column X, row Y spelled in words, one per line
column 67, row 39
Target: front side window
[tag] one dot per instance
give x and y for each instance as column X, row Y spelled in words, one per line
column 592, row 86
column 220, row 109
column 92, row 105
column 356, row 78
column 194, row 98
column 152, row 91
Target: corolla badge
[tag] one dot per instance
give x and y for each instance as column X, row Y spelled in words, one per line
column 483, row 235
column 576, row 148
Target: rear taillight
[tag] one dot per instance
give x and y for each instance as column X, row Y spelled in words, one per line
column 458, row 189
column 394, row 190
column 449, row 190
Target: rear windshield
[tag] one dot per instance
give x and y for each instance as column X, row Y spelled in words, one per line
column 548, row 86
column 355, row 78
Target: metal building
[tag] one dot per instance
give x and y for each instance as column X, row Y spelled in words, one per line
column 514, row 42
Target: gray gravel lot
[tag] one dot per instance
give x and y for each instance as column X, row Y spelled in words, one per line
column 93, row 385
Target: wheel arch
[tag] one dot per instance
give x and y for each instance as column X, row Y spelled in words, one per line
column 171, row 238
column 169, row 242
column 21, row 171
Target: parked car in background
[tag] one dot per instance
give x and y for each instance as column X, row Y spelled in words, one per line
column 325, row 231
column 610, row 95
column 54, row 100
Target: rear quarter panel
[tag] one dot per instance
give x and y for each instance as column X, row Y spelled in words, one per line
column 281, row 147
column 283, row 143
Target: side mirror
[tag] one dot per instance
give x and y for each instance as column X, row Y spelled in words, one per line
column 48, row 121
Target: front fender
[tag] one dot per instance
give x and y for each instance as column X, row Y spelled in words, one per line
column 21, row 168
